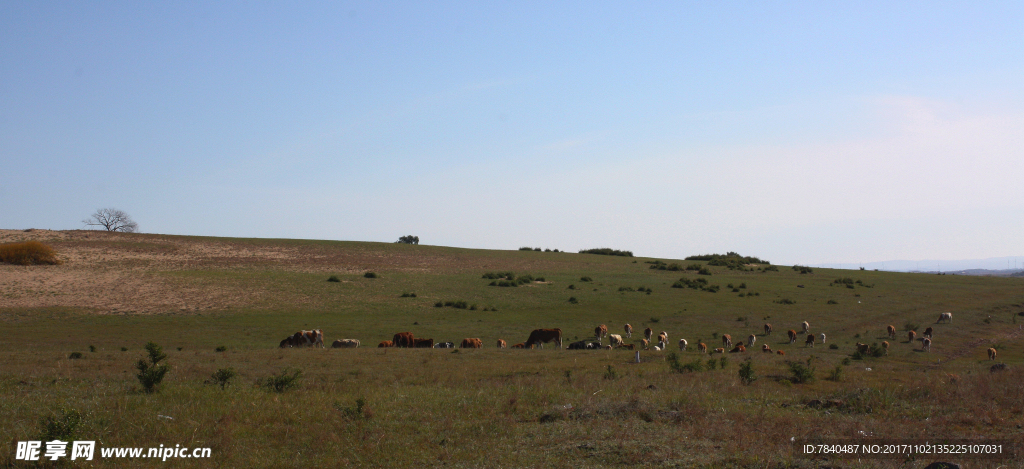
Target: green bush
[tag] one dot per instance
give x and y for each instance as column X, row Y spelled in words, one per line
column 833, row 347
column 747, row 375
column 370, row 275
column 785, row 301
column 92, row 348
column 28, row 253
column 586, row 279
column 573, row 300
column 832, row 302
column 836, row 374
column 712, row 363
column 803, row 269
column 221, row 348
column 75, row 355
column 801, row 373
column 610, row 373
column 151, row 373
column 223, row 376
column 673, row 363
column 408, row 295
column 353, row 412
column 124, row 349
column 281, row 382
column 607, row 252
column 333, row 278
column 62, row 424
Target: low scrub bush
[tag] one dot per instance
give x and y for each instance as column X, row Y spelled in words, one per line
column 223, row 376
column 747, row 375
column 281, row 382
column 607, row 252
column 770, row 268
column 785, row 301
column 333, row 278
column 75, row 356
column 692, row 367
column 801, row 373
column 803, row 269
column 586, row 279
column 832, row 302
column 221, row 348
column 62, row 424
column 28, row 253
column 353, row 413
column 907, row 327
column 726, row 259
column 836, row 374
column 371, row 275
column 151, row 372
column 457, row 304
column 408, row 295
column 573, row 300
column 696, row 284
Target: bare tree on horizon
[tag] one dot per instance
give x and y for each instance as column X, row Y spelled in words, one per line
column 112, row 219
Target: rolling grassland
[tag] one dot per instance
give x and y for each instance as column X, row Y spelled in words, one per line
column 217, row 304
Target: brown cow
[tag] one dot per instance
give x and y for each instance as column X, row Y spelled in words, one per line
column 885, row 345
column 767, row 329
column 809, row 341
column 781, row 352
column 702, row 347
column 645, row 344
column 726, row 340
column 928, row 332
column 926, row 344
column 648, row 333
column 766, row 349
column 423, row 343
column 663, row 339
column 471, row 343
column 911, row 336
column 502, row 344
column 540, row 337
column 628, row 346
column 629, row 331
column 991, row 354
column 891, row 330
column 304, row 339
column 792, row 336
column 600, row 332
column 386, row 343
column 519, row 345
column 862, row 348
column 739, row 348
column 719, row 350
column 404, row 339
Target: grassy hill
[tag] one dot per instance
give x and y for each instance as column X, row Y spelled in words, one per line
column 489, row 407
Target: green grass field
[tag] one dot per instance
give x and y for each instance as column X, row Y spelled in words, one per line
column 491, row 407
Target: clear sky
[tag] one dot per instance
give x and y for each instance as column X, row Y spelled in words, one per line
column 799, row 132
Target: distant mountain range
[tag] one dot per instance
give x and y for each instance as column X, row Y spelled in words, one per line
column 1001, row 266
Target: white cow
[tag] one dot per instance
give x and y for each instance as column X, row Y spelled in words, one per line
column 806, row 327
column 616, row 340
column 948, row 317
column 822, row 337
column 750, row 340
column 345, row 343
column 682, row 345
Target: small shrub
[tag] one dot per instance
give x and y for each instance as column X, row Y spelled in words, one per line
column 151, row 373
column 771, row 268
column 833, row 347
column 526, row 248
column 801, row 373
column 571, row 287
column 803, row 269
column 353, row 412
column 832, row 302
column 610, row 373
column 28, row 253
column 124, row 349
column 704, row 271
column 747, row 375
column 712, row 363
column 62, row 424
column 281, row 382
column 223, row 376
column 92, row 348
column 573, row 300
column 221, row 348
column 743, row 285
column 409, row 295
column 75, row 356
column 722, row 362
column 785, row 301
column 333, row 278
column 836, row 374
column 439, row 304
column 607, row 252
column 654, row 320
column 909, row 327
column 370, row 275
column 673, row 363
column 846, row 361
column 586, row 279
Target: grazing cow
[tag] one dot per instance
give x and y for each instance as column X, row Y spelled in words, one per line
column 345, row 343
column 702, row 347
column 911, row 336
column 991, row 354
column 600, row 332
column 766, row 349
column 471, row 343
column 682, row 345
column 304, row 339
column 594, row 346
column 780, row 352
column 739, row 348
column 386, row 343
column 616, row 340
column 726, row 340
column 767, row 329
column 404, row 339
column 540, row 337
column 658, row 348
column 608, row 347
column 502, row 344
column 580, row 345
column 809, row 341
column 792, row 336
column 885, row 345
column 423, row 343
column 862, row 348
column 719, row 350
column 648, row 333
column 806, row 326
column 519, row 345
column 445, row 345
column 663, row 340
column 645, row 344
column 751, row 339
column 948, row 317
column 892, row 331
column 927, row 333
column 926, row 344
column 822, row 335
column 628, row 346
column 629, row 331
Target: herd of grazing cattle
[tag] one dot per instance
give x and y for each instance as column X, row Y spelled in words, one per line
column 539, row 337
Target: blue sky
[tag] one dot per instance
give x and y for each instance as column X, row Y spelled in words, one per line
column 800, row 132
